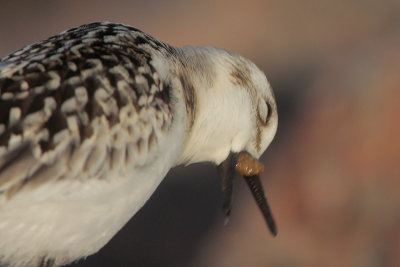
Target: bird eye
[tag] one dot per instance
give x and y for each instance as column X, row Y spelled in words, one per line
column 264, row 111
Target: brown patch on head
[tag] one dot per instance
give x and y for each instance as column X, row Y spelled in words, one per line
column 241, row 75
column 258, row 136
column 240, row 78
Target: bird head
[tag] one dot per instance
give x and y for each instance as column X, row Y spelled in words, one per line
column 232, row 119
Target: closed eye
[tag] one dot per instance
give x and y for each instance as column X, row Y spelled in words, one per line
column 264, row 111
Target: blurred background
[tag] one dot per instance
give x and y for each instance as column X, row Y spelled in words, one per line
column 332, row 172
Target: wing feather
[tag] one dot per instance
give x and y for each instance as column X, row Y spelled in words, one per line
column 86, row 102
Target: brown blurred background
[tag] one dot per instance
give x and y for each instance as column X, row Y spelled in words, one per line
column 332, row 172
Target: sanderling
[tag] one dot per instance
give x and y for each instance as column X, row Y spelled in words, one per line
column 92, row 119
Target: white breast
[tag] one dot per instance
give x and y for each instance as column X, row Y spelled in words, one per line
column 90, row 212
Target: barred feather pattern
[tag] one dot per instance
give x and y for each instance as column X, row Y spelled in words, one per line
column 58, row 97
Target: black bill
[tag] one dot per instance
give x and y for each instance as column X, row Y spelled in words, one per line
column 259, row 195
column 226, row 171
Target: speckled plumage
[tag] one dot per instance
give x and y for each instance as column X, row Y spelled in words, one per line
column 70, row 88
column 93, row 118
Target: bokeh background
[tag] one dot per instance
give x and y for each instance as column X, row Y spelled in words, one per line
column 333, row 171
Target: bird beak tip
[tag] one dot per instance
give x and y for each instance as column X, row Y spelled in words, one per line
column 250, row 168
